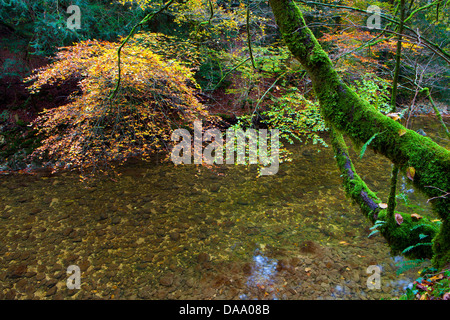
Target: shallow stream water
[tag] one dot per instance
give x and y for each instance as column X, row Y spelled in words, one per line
column 187, row 232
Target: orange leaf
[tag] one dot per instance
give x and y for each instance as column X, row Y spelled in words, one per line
column 438, row 277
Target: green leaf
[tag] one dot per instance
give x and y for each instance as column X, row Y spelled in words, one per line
column 364, row 147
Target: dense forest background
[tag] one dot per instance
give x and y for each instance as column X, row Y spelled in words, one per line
column 243, row 70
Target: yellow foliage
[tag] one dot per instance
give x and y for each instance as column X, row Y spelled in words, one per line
column 155, row 96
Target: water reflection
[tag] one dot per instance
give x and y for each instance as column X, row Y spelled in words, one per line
column 263, row 276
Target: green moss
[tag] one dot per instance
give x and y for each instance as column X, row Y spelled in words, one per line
column 411, row 238
column 354, row 186
column 441, row 247
column 319, row 56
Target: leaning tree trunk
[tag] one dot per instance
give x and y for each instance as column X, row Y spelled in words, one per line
column 347, row 113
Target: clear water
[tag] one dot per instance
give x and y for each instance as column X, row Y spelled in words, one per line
column 187, row 232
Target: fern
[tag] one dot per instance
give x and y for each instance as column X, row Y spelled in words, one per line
column 415, row 246
column 407, row 265
column 419, row 225
column 423, row 236
column 364, row 147
column 376, row 225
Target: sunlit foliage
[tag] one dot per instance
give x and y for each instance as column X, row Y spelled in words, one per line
column 94, row 131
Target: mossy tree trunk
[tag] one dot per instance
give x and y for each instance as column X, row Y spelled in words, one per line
column 399, row 236
column 347, row 113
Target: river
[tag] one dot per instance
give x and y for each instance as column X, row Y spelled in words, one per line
column 186, row 232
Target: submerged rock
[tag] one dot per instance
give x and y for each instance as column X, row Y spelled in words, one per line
column 174, row 236
column 215, row 187
column 310, row 247
column 166, row 280
column 242, row 202
column 18, row 271
column 203, row 257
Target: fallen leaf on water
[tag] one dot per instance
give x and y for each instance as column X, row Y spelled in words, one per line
column 410, row 172
column 398, row 218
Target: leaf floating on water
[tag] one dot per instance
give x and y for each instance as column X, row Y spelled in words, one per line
column 410, row 172
column 398, row 218
column 383, row 205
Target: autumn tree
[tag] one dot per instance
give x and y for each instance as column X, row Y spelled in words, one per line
column 95, row 130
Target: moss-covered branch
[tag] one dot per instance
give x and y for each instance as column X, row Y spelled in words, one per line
column 411, row 234
column 355, row 117
column 354, row 186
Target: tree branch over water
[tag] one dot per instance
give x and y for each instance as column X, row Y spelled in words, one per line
column 349, row 114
